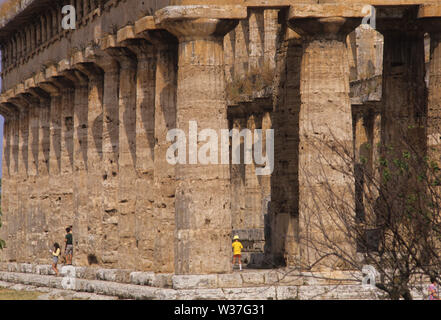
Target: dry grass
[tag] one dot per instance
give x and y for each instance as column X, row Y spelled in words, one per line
column 253, row 81
column 7, row 294
column 7, row 7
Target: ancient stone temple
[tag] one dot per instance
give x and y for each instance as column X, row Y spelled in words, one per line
column 88, row 112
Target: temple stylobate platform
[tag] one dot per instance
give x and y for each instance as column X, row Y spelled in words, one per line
column 87, row 112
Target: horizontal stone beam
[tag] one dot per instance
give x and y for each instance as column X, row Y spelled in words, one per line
column 146, row 23
column 430, row 11
column 327, row 10
column 200, row 11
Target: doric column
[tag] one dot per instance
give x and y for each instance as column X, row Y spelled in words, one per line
column 203, row 214
column 66, row 155
column 4, row 230
column 127, row 250
column 257, row 39
column 93, row 162
column 164, row 173
column 103, row 137
column 404, row 105
column 241, row 57
column 22, row 181
column 11, row 213
column 145, row 144
column 271, row 28
column 237, row 177
column 32, row 165
column 110, row 152
column 284, row 213
column 80, row 149
column 253, row 193
column 325, row 135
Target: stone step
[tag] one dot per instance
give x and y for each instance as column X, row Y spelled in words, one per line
column 246, row 278
column 130, row 291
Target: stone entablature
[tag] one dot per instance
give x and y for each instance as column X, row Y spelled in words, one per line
column 39, row 39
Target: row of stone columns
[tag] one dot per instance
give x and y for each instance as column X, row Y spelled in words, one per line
column 125, row 100
column 48, row 25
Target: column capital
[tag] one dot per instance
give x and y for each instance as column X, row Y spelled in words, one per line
column 198, row 22
column 325, row 21
column 402, row 20
column 101, row 59
column 8, row 111
column 146, row 28
column 329, row 28
column 122, row 54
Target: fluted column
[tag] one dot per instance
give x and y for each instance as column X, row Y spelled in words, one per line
column 144, row 231
column 257, row 39
column 94, row 158
column 325, row 180
column 80, row 146
column 203, row 214
column 22, row 181
column 32, row 185
column 4, row 230
column 110, row 161
column 237, row 176
column 66, row 154
column 253, row 193
column 127, row 250
column 164, row 173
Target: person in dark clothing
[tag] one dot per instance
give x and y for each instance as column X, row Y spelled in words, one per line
column 68, row 240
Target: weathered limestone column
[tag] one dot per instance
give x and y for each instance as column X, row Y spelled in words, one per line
column 80, row 146
column 55, row 222
column 32, row 185
column 22, row 181
column 144, row 231
column 164, row 173
column 203, row 214
column 283, row 242
column 404, row 104
column 7, row 218
column 241, row 57
column 237, row 177
column 127, row 249
column 362, row 155
column 104, row 114
column 257, row 39
column 4, row 230
column 253, row 192
column 66, row 155
column 13, row 188
column 271, row 29
column 39, row 191
column 94, row 157
column 326, row 193
column 110, row 162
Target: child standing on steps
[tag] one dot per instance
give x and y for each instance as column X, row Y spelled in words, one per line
column 55, row 254
column 237, row 249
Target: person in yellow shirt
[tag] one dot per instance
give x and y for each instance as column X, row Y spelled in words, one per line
column 237, row 249
column 55, row 254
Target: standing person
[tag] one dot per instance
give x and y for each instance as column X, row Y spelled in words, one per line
column 433, row 289
column 68, row 248
column 237, row 249
column 55, row 254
